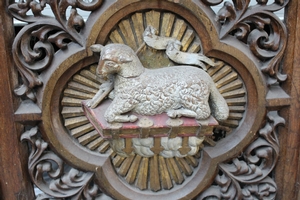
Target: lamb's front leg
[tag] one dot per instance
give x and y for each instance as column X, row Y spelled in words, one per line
column 103, row 91
column 117, row 108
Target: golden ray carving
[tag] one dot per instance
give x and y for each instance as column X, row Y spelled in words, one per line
column 155, row 173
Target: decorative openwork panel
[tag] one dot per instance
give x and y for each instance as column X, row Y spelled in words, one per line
column 241, row 48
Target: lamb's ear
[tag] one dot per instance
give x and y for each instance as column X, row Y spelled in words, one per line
column 125, row 58
column 96, row 48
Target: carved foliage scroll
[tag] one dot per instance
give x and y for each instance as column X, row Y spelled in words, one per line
column 259, row 28
column 50, row 173
column 256, row 30
column 36, row 43
column 248, row 176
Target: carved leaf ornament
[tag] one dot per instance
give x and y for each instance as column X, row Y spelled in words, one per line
column 57, row 72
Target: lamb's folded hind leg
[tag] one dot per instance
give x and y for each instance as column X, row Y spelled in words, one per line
column 203, row 112
column 198, row 114
column 122, row 118
column 181, row 112
column 198, row 110
column 117, row 108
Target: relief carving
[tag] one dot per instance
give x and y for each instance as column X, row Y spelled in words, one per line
column 247, row 177
column 178, row 91
column 235, row 53
column 52, row 175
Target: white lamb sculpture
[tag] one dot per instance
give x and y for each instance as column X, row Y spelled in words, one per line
column 179, row 90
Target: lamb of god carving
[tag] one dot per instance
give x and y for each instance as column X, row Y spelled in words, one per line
column 165, row 111
column 179, row 90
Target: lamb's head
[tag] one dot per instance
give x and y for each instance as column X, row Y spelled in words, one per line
column 117, row 59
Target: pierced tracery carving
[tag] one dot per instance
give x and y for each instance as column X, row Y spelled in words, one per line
column 36, row 43
column 242, row 41
column 247, row 177
column 257, row 27
column 53, row 176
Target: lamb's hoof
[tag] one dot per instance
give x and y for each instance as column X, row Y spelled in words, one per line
column 91, row 104
column 173, row 114
column 133, row 118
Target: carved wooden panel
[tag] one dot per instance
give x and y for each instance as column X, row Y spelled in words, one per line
column 68, row 157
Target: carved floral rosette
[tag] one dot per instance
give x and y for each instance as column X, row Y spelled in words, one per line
column 57, row 71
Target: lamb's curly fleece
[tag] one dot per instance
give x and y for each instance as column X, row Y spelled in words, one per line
column 168, row 90
column 154, row 91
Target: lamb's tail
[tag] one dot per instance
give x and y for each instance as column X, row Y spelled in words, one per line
column 218, row 104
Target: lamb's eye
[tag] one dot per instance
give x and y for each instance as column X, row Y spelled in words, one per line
column 110, row 64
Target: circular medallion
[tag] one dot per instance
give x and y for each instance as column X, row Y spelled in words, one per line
column 84, row 85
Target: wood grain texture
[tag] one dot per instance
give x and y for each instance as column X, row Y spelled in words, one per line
column 132, row 172
column 142, row 178
column 14, row 181
column 154, row 177
column 166, row 180
column 287, row 172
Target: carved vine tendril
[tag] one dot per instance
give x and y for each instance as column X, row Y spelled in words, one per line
column 247, row 177
column 35, row 45
column 259, row 28
column 227, row 188
column 52, row 176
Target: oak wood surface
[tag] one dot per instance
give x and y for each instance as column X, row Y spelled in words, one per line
column 15, row 184
column 14, row 180
column 288, row 168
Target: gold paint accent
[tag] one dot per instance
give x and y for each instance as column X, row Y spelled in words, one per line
column 165, row 178
column 75, row 122
column 68, row 112
column 116, row 37
column 179, row 29
column 85, row 139
column 153, row 19
column 96, row 143
column 167, row 24
column 128, row 34
column 76, row 94
column 138, row 24
column 85, row 81
column 142, row 177
column 155, row 173
column 195, row 47
column 79, row 131
column 174, row 171
column 132, row 173
column 187, row 39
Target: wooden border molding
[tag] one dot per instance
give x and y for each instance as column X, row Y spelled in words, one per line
column 14, row 181
column 57, row 73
